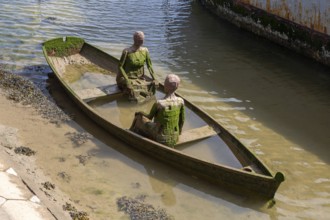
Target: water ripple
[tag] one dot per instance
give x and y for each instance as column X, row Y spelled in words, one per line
column 204, row 52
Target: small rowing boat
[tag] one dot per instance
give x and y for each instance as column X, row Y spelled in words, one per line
column 88, row 76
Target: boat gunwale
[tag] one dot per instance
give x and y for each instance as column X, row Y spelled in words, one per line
column 207, row 117
column 264, row 177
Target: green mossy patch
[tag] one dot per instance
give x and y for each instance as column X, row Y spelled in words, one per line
column 60, row 48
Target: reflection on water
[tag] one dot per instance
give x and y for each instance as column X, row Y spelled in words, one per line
column 274, row 101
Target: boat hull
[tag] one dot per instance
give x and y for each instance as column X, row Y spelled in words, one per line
column 262, row 183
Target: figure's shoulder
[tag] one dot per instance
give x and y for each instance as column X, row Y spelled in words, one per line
column 177, row 101
column 131, row 49
column 159, row 102
column 144, row 49
column 126, row 50
column 180, row 100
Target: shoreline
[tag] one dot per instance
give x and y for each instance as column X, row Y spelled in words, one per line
column 29, row 118
column 31, row 126
column 13, row 117
column 20, row 117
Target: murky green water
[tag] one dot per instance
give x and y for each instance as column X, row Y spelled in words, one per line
column 274, row 101
column 120, row 112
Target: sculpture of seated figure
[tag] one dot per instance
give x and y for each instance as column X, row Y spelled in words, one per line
column 165, row 120
column 131, row 78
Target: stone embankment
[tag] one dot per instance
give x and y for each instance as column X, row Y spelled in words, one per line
column 17, row 201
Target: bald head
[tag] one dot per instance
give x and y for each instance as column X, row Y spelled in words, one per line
column 138, row 38
column 171, row 83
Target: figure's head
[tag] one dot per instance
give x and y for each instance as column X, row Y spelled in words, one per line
column 138, row 38
column 171, row 83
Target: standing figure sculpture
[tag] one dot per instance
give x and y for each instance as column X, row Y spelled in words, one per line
column 131, row 78
column 165, row 120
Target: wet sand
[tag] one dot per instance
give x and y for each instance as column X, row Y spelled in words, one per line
column 23, row 126
column 30, row 121
column 34, row 133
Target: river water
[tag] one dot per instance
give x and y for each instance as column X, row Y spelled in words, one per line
column 274, row 101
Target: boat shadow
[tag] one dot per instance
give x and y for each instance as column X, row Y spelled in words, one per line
column 157, row 171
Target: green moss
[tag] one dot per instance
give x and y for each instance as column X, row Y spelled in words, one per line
column 60, row 48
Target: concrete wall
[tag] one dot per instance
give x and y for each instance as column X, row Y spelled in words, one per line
column 301, row 25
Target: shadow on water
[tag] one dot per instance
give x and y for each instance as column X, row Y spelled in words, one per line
column 156, row 170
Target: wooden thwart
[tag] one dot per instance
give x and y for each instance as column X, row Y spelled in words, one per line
column 98, row 92
column 196, row 134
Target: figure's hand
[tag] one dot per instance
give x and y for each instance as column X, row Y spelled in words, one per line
column 129, row 84
column 138, row 113
column 156, row 82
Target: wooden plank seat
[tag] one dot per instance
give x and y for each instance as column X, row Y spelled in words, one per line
column 196, row 134
column 98, row 92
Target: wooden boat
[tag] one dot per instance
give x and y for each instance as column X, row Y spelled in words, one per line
column 74, row 60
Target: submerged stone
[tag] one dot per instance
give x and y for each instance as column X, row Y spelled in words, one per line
column 136, row 208
column 24, row 150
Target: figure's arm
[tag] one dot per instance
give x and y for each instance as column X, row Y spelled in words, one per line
column 182, row 118
column 152, row 113
column 149, row 65
column 122, row 63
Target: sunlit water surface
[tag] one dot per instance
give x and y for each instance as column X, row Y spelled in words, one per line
column 274, row 101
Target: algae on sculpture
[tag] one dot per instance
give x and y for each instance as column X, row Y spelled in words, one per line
column 168, row 116
column 131, row 77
